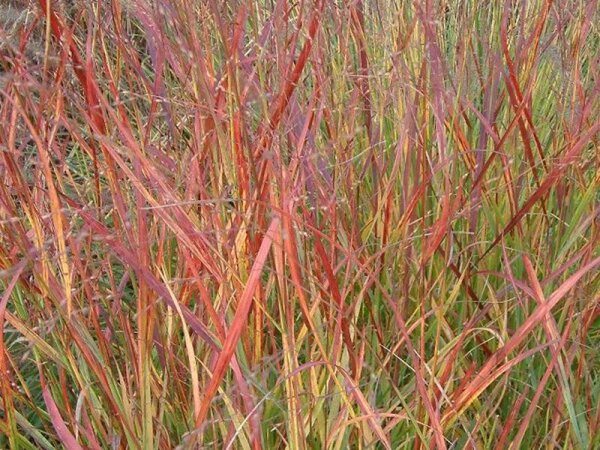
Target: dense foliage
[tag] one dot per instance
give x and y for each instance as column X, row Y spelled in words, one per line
column 305, row 225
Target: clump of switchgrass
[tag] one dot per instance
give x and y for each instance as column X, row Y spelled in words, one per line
column 308, row 225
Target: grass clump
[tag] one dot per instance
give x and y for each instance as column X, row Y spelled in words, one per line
column 299, row 225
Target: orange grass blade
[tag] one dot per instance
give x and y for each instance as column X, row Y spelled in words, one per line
column 239, row 321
